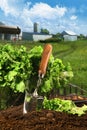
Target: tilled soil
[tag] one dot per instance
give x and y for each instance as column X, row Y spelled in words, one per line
column 13, row 119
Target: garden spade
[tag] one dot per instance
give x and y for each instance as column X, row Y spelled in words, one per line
column 32, row 99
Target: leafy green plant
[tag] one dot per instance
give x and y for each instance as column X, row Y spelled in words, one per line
column 67, row 106
column 14, row 67
column 19, row 65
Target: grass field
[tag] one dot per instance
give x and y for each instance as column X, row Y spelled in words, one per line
column 73, row 52
column 76, row 54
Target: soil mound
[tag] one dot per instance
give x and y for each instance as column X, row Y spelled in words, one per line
column 13, row 119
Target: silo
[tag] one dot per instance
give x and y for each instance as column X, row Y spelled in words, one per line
column 36, row 27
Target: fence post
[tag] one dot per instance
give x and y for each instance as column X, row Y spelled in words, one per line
column 64, row 91
column 81, row 92
column 76, row 90
column 70, row 90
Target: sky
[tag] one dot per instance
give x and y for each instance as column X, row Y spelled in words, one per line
column 53, row 15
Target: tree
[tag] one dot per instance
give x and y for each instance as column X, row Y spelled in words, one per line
column 81, row 36
column 45, row 31
column 58, row 35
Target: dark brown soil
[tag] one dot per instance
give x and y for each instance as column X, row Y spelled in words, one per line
column 13, row 119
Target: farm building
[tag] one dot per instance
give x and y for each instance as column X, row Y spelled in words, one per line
column 69, row 36
column 9, row 32
column 32, row 36
column 35, row 35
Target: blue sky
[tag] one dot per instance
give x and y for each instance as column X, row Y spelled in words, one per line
column 54, row 15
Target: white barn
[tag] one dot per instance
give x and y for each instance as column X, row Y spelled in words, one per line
column 32, row 36
column 69, row 36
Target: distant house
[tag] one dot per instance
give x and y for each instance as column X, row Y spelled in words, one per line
column 69, row 36
column 9, row 32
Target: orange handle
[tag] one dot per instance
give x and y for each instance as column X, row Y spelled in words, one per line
column 45, row 58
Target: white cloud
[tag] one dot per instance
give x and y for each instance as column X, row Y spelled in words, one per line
column 8, row 7
column 73, row 17
column 43, row 10
column 26, row 21
column 24, row 14
column 42, row 13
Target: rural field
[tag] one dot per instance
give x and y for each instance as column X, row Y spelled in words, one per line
column 13, row 118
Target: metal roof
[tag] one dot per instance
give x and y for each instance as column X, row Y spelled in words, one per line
column 69, row 33
column 36, row 33
column 9, row 29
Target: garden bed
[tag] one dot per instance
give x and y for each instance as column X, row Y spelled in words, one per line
column 13, row 119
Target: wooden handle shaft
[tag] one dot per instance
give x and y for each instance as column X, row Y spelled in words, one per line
column 45, row 58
